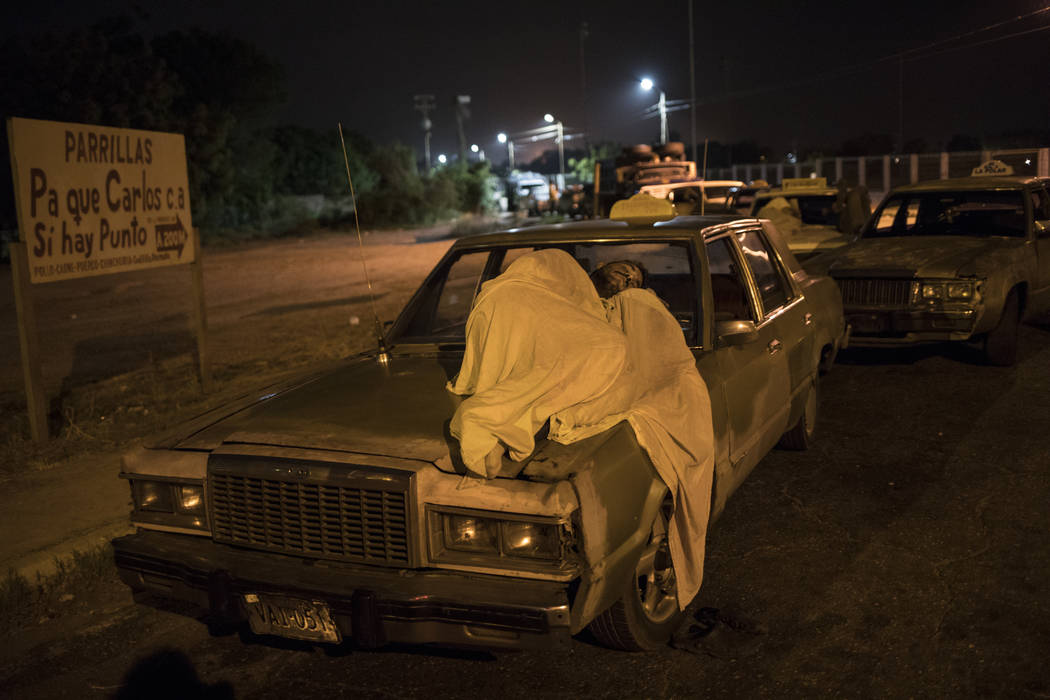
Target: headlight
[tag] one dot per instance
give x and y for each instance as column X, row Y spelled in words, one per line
column 487, row 541
column 169, row 504
column 470, row 534
column 153, row 496
column 191, row 499
column 522, row 539
column 932, row 292
column 952, row 291
column 960, row 290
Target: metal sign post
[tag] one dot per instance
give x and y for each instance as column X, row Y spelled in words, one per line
column 200, row 317
column 29, row 343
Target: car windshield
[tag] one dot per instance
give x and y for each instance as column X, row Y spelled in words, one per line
column 438, row 313
column 961, row 213
column 816, row 209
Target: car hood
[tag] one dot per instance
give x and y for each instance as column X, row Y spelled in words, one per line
column 398, row 410
column 918, row 256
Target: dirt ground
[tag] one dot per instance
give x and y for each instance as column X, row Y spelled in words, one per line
column 118, row 353
column 904, row 555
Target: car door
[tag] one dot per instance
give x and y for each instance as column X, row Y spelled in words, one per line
column 753, row 373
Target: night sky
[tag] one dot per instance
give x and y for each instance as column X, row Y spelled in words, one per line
column 784, row 74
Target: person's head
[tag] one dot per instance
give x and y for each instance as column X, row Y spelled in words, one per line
column 616, row 276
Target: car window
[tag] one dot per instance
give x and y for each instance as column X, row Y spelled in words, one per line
column 442, row 311
column 728, row 283
column 951, row 213
column 668, row 272
column 687, row 195
column 818, row 209
column 454, row 298
column 772, row 284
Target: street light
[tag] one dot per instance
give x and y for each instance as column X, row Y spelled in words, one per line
column 442, row 159
column 502, row 138
column 549, row 118
column 647, row 85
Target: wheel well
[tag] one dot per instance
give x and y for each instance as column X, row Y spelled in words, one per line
column 824, row 364
column 1022, row 297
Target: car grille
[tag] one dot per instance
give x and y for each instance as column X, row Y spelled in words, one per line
column 875, row 292
column 327, row 521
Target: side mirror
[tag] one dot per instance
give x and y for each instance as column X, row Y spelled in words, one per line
column 735, row 332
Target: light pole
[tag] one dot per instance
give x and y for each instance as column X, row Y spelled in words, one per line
column 647, row 85
column 549, row 118
column 502, row 138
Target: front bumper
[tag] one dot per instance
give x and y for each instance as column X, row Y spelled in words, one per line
column 896, row 327
column 372, row 605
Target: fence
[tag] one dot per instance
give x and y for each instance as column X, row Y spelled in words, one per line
column 883, row 173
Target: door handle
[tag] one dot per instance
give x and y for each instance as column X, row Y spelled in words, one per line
column 774, row 346
column 807, row 319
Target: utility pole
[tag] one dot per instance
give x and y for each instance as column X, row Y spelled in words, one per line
column 561, row 155
column 692, row 88
column 584, row 33
column 462, row 105
column 663, row 118
column 424, row 104
column 900, row 103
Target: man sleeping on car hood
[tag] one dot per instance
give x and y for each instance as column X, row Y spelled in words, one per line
column 542, row 345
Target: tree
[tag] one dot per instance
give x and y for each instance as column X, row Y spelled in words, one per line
column 105, row 74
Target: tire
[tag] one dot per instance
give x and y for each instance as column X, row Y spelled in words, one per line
column 800, row 436
column 647, row 613
column 1000, row 344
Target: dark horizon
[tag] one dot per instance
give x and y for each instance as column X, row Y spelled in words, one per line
column 777, row 75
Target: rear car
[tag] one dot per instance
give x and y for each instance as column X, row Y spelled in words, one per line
column 809, row 214
column 965, row 259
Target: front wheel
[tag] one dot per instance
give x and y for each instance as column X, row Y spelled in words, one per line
column 647, row 614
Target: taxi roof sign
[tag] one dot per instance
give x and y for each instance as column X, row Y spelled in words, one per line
column 804, row 183
column 641, row 209
column 993, row 167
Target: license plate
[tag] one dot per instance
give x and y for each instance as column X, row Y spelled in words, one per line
column 867, row 324
column 290, row 617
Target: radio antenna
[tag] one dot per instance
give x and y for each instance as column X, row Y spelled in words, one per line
column 383, row 357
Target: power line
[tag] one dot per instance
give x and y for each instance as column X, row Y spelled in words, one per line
column 898, row 56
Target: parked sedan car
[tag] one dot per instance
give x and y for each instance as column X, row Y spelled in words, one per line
column 950, row 260
column 696, row 196
column 808, row 214
column 328, row 508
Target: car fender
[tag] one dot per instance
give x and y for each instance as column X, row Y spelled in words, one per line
column 619, row 493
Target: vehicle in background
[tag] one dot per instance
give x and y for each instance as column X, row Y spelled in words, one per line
column 741, row 198
column 810, row 214
column 950, row 260
column 638, row 166
column 696, row 196
column 332, row 506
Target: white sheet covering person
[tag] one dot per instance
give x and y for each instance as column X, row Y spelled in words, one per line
column 525, row 366
column 661, row 394
column 537, row 343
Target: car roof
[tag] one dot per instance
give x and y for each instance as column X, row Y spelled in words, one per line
column 605, row 230
column 979, row 182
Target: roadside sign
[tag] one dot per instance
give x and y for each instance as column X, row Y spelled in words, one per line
column 93, row 200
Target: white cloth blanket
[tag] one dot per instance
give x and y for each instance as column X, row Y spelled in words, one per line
column 541, row 346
